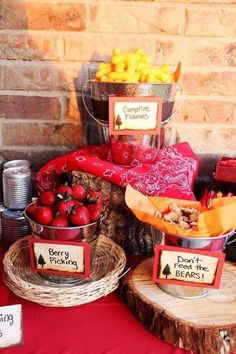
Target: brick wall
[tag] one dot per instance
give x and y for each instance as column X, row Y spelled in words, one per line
column 45, row 46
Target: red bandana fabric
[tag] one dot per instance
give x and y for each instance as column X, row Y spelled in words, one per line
column 171, row 172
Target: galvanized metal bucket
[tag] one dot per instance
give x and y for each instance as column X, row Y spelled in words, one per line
column 87, row 233
column 216, row 243
column 100, row 91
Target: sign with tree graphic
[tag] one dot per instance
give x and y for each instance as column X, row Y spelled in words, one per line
column 60, row 257
column 187, row 267
column 11, row 331
column 134, row 115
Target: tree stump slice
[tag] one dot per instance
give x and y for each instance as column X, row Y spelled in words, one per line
column 205, row 325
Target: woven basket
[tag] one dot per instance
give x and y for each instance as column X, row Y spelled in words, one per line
column 106, row 270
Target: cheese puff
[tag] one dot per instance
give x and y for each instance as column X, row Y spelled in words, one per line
column 137, row 77
column 116, row 51
column 140, row 66
column 99, row 74
column 102, row 66
column 120, row 67
column 114, row 75
column 151, row 78
column 164, row 78
column 165, row 68
column 160, row 75
column 145, row 59
column 167, row 79
column 139, row 51
column 125, row 76
column 157, row 81
column 143, row 78
column 102, row 72
column 117, row 58
column 104, row 78
column 131, row 67
column 146, row 71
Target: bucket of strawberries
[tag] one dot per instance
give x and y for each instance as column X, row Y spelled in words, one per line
column 70, row 213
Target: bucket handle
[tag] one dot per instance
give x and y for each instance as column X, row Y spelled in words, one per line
column 233, row 240
column 179, row 89
column 85, row 89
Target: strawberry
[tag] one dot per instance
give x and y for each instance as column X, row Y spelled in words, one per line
column 79, row 192
column 64, row 192
column 79, row 216
column 43, row 215
column 53, row 209
column 48, row 198
column 95, row 211
column 94, row 197
column 65, row 206
column 59, row 222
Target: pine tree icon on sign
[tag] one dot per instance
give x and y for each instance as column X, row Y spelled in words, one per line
column 41, row 260
column 166, row 271
column 118, row 121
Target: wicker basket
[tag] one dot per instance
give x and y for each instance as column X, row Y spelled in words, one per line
column 107, row 268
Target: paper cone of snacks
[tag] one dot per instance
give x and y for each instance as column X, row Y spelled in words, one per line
column 182, row 217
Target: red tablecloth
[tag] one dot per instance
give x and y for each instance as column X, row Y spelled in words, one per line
column 105, row 326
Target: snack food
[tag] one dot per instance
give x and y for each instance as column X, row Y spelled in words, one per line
column 183, row 217
column 134, row 67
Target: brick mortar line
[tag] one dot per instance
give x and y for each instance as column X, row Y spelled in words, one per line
column 113, row 35
column 61, row 64
column 62, row 101
column 0, row 134
column 134, row 3
column 66, row 94
column 217, row 126
column 223, row 99
column 5, row 121
column 88, row 19
column 31, row 93
column 34, row 148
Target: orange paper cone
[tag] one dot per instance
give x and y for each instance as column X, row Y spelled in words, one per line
column 216, row 221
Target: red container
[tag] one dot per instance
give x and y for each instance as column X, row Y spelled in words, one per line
column 226, row 170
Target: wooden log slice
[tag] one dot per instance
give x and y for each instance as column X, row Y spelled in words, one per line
column 204, row 325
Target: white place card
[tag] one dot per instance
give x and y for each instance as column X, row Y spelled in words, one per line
column 11, row 331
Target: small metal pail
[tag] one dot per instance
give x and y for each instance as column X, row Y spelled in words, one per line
column 99, row 95
column 216, row 243
column 17, row 187
column 86, row 233
column 100, row 92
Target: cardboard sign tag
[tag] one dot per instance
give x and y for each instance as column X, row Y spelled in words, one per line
column 184, row 266
column 11, row 332
column 60, row 257
column 134, row 115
